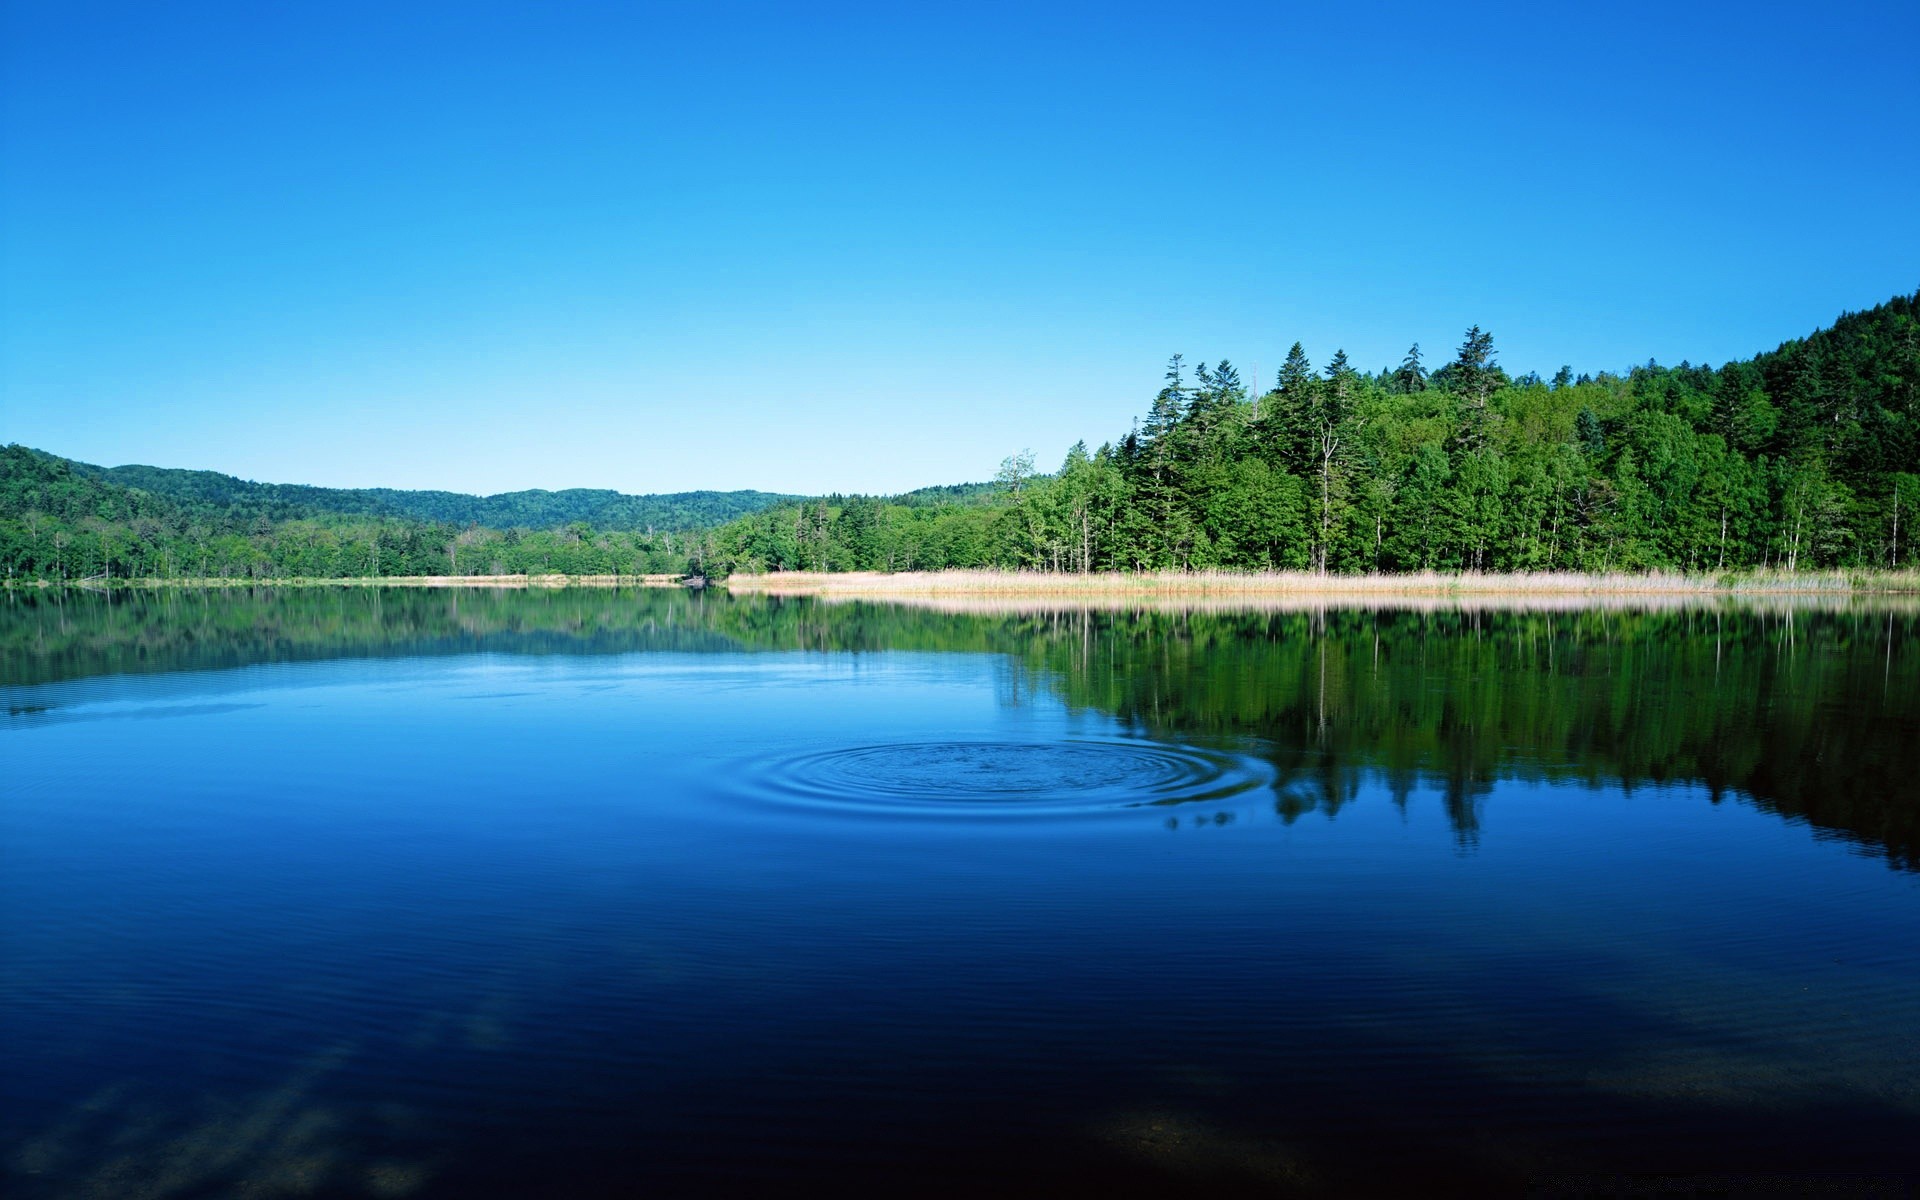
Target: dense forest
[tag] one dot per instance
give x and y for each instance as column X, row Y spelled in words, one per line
column 1727, row 698
column 211, row 492
column 1804, row 457
column 61, row 519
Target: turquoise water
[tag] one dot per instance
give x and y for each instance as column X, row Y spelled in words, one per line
column 581, row 894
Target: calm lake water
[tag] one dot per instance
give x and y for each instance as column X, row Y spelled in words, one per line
column 595, row 893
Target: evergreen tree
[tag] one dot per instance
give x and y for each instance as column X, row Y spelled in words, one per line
column 1473, row 380
column 1286, row 435
column 1590, row 435
column 1411, row 377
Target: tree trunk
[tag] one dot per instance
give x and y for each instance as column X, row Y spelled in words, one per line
column 1896, row 527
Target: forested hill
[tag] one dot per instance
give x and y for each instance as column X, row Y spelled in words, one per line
column 1807, row 456
column 61, row 519
column 210, row 491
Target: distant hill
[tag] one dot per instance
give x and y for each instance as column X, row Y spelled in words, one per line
column 35, row 482
column 67, row 520
column 949, row 493
column 534, row 509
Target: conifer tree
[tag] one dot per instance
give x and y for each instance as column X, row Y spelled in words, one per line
column 1286, row 434
column 1411, row 377
column 1472, row 377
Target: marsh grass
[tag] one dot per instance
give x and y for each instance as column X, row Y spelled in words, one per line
column 968, row 590
column 1307, row 585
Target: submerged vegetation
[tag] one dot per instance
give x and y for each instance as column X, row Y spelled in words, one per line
column 1806, row 458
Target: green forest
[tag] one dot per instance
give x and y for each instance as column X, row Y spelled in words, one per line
column 66, row 520
column 1805, row 457
column 210, row 491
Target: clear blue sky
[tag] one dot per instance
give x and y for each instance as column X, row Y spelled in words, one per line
column 809, row 246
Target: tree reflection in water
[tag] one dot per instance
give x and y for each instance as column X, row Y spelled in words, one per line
column 1811, row 712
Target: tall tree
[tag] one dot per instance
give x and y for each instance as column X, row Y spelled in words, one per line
column 1286, row 434
column 1411, row 376
column 1473, row 379
column 1331, row 413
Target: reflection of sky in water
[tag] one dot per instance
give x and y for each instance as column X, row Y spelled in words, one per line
column 325, row 929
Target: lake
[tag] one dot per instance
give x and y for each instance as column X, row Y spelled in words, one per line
column 398, row 893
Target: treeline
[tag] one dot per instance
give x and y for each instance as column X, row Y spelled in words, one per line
column 64, row 521
column 210, row 493
column 1805, row 457
column 67, row 520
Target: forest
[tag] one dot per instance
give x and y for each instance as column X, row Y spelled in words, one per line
column 66, row 520
column 1804, row 457
column 535, row 509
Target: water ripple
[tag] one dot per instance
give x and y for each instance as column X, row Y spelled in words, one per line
column 1000, row 777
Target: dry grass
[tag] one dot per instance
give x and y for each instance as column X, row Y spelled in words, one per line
column 1225, row 585
column 1012, row 591
column 1780, row 603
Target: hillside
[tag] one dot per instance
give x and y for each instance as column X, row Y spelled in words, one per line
column 203, row 491
column 61, row 519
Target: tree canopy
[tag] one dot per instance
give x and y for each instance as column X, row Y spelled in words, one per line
column 1805, row 456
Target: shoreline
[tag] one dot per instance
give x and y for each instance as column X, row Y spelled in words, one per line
column 406, row 581
column 1112, row 587
column 1223, row 585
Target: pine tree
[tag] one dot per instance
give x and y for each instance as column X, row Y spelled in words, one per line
column 1210, row 416
column 1411, row 377
column 1591, row 435
column 1473, row 379
column 1286, row 422
column 1163, row 420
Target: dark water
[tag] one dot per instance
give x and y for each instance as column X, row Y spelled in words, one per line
column 606, row 894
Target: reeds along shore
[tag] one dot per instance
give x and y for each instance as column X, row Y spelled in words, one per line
column 1225, row 584
column 1002, row 591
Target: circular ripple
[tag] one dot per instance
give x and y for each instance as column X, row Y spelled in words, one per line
column 1002, row 776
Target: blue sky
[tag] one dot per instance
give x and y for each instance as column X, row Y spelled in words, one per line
column 813, row 246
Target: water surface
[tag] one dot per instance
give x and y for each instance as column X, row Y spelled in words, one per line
column 587, row 893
